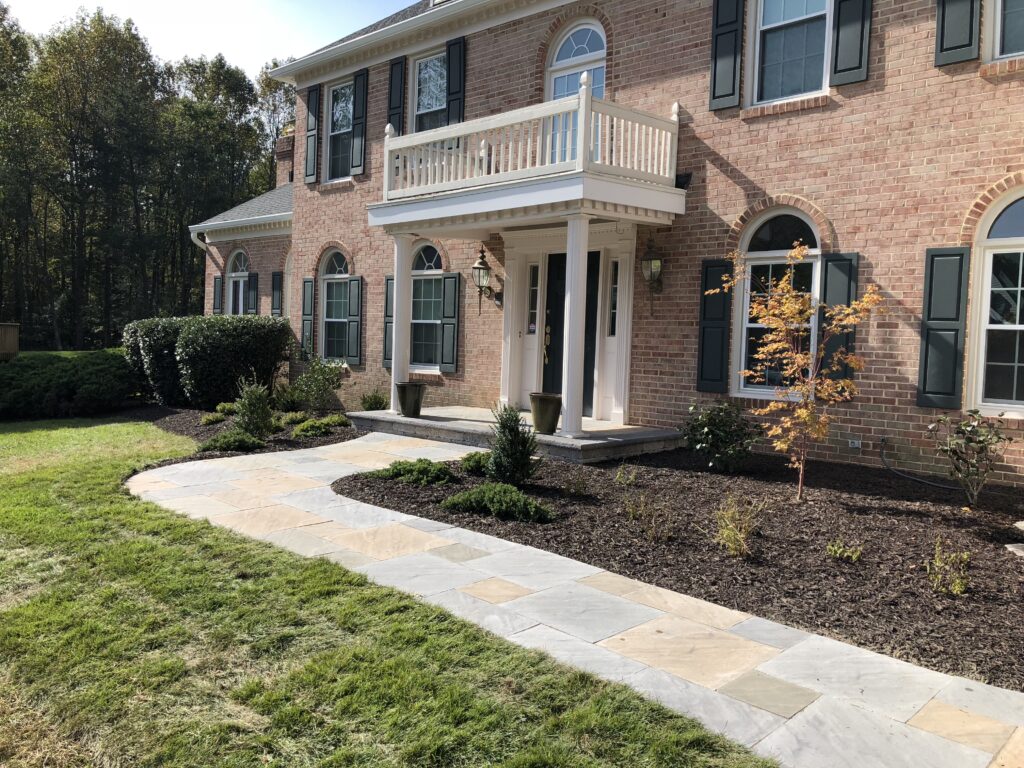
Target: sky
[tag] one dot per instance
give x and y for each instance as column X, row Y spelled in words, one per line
column 248, row 33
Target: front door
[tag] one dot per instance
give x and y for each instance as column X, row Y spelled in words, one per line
column 554, row 327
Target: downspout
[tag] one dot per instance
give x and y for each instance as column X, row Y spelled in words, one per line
column 195, row 239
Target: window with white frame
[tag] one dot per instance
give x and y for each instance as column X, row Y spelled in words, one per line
column 767, row 250
column 1009, row 32
column 791, row 39
column 430, row 92
column 339, row 139
column 427, row 303
column 533, row 300
column 1002, row 359
column 334, row 289
column 238, row 283
column 581, row 49
column 613, row 299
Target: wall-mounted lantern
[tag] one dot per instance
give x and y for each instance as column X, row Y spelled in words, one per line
column 651, row 265
column 482, row 281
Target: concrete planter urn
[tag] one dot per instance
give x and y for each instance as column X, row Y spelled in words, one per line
column 546, row 409
column 410, row 398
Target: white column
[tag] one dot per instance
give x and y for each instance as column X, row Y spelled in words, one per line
column 576, row 250
column 401, row 342
column 512, row 329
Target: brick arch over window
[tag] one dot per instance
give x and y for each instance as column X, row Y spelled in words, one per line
column 330, row 247
column 559, row 25
column 995, row 193
column 821, row 222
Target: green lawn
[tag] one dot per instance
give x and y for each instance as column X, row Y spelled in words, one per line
column 131, row 636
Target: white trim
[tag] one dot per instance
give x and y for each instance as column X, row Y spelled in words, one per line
column 752, row 55
column 251, row 221
column 324, row 279
column 414, row 85
column 328, row 116
column 579, row 64
column 422, row 275
column 992, row 32
column 231, row 278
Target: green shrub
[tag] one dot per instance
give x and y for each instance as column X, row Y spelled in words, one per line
column 477, row 463
column 316, row 387
column 721, row 435
column 840, row 550
column 973, row 447
column 156, row 341
column 419, row 472
column 320, row 427
column 44, row 386
column 227, row 409
column 294, row 417
column 504, row 501
column 232, row 441
column 130, row 342
column 254, row 415
column 287, row 399
column 375, row 401
column 512, row 448
column 625, row 477
column 215, row 351
column 947, row 571
column 209, row 419
column 737, row 520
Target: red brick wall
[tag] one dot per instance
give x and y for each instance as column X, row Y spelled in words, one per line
column 266, row 256
column 891, row 167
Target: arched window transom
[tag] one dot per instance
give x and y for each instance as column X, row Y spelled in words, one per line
column 582, row 49
column 427, row 260
column 239, row 263
column 336, row 265
column 1010, row 222
column 781, row 233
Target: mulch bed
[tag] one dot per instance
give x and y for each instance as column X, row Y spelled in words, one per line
column 883, row 602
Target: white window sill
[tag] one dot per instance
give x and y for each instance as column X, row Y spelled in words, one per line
column 430, row 370
column 1007, row 411
column 348, row 181
column 760, row 394
column 789, row 99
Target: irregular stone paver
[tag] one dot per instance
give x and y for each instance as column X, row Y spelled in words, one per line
column 805, row 700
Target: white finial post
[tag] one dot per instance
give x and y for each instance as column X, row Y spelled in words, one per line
column 389, row 132
column 584, row 80
column 584, row 125
column 675, row 112
column 391, row 169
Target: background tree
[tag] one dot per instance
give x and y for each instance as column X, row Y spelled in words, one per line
column 275, row 109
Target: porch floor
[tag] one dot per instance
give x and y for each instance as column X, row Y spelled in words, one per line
column 602, row 440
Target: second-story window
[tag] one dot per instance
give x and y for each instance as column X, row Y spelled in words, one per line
column 791, row 43
column 339, row 143
column 430, row 95
column 1010, row 32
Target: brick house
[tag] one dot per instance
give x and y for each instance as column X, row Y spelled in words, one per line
column 887, row 135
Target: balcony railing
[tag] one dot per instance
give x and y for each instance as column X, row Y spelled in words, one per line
column 537, row 141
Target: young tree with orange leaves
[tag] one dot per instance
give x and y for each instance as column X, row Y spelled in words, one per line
column 814, row 372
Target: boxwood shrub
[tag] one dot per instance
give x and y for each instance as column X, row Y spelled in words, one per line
column 43, row 386
column 215, row 352
column 154, row 342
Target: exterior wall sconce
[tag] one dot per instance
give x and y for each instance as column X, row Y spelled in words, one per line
column 651, row 265
column 482, row 281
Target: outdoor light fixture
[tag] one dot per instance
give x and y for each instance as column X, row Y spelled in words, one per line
column 650, row 266
column 482, row 281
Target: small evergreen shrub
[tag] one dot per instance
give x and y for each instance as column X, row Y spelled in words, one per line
column 286, row 398
column 476, row 463
column 504, row 501
column 215, row 351
column 156, row 341
column 512, row 448
column 947, row 571
column 840, row 550
column 253, row 412
column 131, row 344
column 209, row 419
column 721, row 435
column 227, row 409
column 375, row 401
column 231, row 441
column 737, row 520
column 973, row 447
column 420, row 472
column 294, row 417
column 320, row 427
column 317, row 387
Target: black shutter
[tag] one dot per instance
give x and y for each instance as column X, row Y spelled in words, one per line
column 839, row 287
column 308, row 287
column 252, row 291
column 713, row 331
column 312, row 121
column 958, row 29
column 451, row 300
column 456, row 80
column 943, row 326
column 276, row 293
column 389, row 319
column 218, row 295
column 726, row 53
column 354, row 346
column 361, row 83
column 396, row 94
column 851, row 36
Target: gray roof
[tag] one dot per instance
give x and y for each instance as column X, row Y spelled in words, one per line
column 414, row 10
column 276, row 202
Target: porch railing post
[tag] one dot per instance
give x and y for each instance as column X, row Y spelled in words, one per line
column 584, row 152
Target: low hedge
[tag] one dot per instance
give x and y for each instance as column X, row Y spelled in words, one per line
column 46, row 386
column 214, row 352
column 153, row 343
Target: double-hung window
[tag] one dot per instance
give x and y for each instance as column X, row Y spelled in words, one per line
column 339, row 141
column 430, row 96
column 1010, row 28
column 792, row 37
column 238, row 284
column 1003, row 356
column 334, row 285
column 427, row 303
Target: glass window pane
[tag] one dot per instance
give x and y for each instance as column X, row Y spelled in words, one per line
column 1010, row 222
column 999, row 384
column 336, row 300
column 760, row 278
column 1006, row 270
column 426, row 299
column 779, row 234
column 531, row 315
column 335, row 334
column 427, row 259
column 431, row 84
column 426, row 343
column 1013, row 27
column 337, row 265
column 341, row 156
column 1003, row 309
column 1002, row 347
column 792, row 59
column 341, row 108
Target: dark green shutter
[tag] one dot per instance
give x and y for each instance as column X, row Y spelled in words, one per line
column 943, row 327
column 252, row 294
column 354, row 346
column 396, row 94
column 312, row 121
column 276, row 293
column 851, row 36
column 726, row 52
column 308, row 292
column 389, row 319
column 456, row 59
column 713, row 329
column 218, row 295
column 839, row 287
column 958, row 30
column 451, row 300
column 361, row 88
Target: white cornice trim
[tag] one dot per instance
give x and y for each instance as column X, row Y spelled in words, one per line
column 253, row 221
column 241, row 231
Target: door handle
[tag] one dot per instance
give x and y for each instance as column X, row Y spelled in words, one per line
column 547, row 342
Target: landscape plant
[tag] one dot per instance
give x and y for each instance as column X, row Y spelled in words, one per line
column 736, row 521
column 973, row 446
column 286, row 398
column 321, row 427
column 232, row 441
column 504, row 501
column 253, row 412
column 721, row 434
column 947, row 571
column 375, row 401
column 421, row 472
column 317, row 386
column 513, row 446
column 840, row 550
column 476, row 463
column 816, row 372
column 153, row 344
column 209, row 419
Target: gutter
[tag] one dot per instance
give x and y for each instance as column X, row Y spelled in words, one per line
column 272, row 218
column 194, row 234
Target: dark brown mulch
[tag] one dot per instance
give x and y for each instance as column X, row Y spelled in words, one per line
column 883, row 602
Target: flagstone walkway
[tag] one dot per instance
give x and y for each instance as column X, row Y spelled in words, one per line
column 805, row 700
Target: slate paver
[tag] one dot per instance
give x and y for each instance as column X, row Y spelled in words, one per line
column 300, row 542
column 477, row 540
column 496, row 590
column 578, row 653
column 530, row 567
column 198, row 507
column 1012, row 755
column 582, row 611
column 494, row 618
column 769, row 693
column 997, row 703
column 259, row 522
column 357, row 515
column 459, row 553
column 968, row 728
column 768, row 632
column 388, row 541
column 420, row 574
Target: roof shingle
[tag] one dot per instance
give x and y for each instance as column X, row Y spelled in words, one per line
column 275, row 202
column 414, row 10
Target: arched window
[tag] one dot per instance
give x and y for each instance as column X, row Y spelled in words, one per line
column 767, row 244
column 238, row 283
column 1001, row 288
column 581, row 49
column 334, row 289
column 427, row 298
